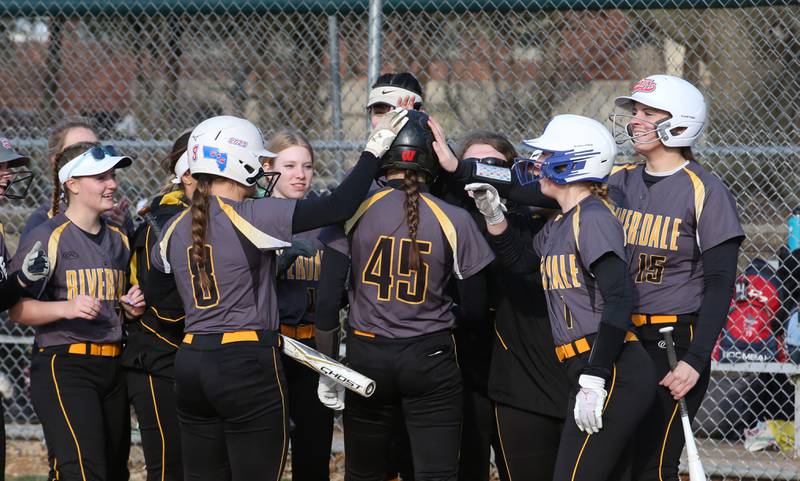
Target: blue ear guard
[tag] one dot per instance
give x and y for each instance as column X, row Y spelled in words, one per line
column 559, row 167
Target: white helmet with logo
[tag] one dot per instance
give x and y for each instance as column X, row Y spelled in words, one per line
column 682, row 100
column 229, row 147
column 581, row 150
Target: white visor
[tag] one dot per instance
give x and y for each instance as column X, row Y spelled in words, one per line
column 390, row 96
column 181, row 167
column 87, row 164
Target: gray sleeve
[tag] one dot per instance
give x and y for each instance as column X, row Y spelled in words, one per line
column 271, row 215
column 474, row 252
column 37, row 218
column 600, row 232
column 719, row 220
column 334, row 237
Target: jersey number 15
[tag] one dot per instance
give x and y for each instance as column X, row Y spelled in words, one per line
column 383, row 269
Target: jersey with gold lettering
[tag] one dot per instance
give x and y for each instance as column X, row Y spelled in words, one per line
column 297, row 287
column 240, row 261
column 389, row 298
column 81, row 264
column 567, row 246
column 668, row 225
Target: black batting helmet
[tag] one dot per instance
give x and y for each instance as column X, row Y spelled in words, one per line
column 412, row 149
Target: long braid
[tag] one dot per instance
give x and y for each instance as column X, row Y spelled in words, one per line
column 599, row 189
column 56, row 190
column 199, row 228
column 412, row 182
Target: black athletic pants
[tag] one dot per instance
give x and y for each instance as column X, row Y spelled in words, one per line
column 478, row 435
column 153, row 399
column 659, row 439
column 82, row 404
column 232, row 408
column 608, row 454
column 312, row 423
column 528, row 444
column 418, row 377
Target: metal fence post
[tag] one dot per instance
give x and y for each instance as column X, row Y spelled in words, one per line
column 374, row 65
column 336, row 84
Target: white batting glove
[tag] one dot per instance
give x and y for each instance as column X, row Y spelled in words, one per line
column 488, row 202
column 589, row 403
column 330, row 393
column 35, row 266
column 385, row 132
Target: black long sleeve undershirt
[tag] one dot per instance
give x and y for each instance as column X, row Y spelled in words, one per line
column 515, row 254
column 473, row 294
column 331, row 288
column 719, row 276
column 339, row 205
column 616, row 287
column 10, row 292
column 530, row 194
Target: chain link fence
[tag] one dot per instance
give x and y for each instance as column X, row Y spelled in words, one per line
column 147, row 70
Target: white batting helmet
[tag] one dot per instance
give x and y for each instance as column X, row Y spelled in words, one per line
column 229, row 147
column 582, row 150
column 679, row 98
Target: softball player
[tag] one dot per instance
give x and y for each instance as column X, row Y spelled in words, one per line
column 390, row 90
column 230, row 385
column 526, row 383
column 153, row 340
column 35, row 265
column 683, row 237
column 71, row 131
column 405, row 245
column 298, row 276
column 77, row 386
column 580, row 256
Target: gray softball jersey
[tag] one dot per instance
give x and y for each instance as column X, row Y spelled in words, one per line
column 387, row 297
column 80, row 265
column 668, row 226
column 568, row 245
column 240, row 260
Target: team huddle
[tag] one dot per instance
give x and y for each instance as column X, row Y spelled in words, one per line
column 498, row 302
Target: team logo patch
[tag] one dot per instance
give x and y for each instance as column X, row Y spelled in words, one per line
column 214, row 153
column 5, row 143
column 408, row 155
column 194, row 152
column 239, row 142
column 645, row 85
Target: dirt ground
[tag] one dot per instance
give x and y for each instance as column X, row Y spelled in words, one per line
column 27, row 461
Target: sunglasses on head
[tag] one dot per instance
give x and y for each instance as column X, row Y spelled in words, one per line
column 497, row 162
column 101, row 152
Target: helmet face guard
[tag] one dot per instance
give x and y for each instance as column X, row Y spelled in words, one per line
column 17, row 188
column 560, row 167
column 264, row 183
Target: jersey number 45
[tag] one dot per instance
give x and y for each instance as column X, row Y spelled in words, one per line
column 391, row 272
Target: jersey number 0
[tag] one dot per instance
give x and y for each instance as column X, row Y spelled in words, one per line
column 207, row 296
column 383, row 269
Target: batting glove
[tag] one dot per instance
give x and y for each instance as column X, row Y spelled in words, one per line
column 35, row 266
column 384, row 133
column 330, row 393
column 488, row 202
column 299, row 248
column 589, row 403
